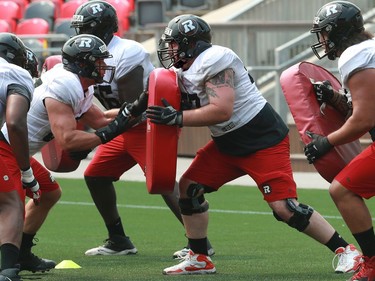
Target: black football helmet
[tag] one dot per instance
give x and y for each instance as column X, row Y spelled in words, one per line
column 12, row 49
column 32, row 63
column 191, row 33
column 338, row 20
column 80, row 55
column 96, row 17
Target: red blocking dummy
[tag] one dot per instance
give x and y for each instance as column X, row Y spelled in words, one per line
column 162, row 140
column 296, row 83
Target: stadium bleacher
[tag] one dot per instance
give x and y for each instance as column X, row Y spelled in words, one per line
column 44, row 25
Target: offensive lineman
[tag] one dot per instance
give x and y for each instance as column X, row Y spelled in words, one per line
column 59, row 101
column 111, row 160
column 248, row 137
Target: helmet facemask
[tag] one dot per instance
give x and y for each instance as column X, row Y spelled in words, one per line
column 324, row 47
column 92, row 67
column 171, row 56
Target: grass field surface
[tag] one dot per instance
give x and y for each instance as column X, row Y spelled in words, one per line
column 249, row 243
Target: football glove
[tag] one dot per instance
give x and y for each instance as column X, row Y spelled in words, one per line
column 323, row 90
column 317, row 147
column 117, row 126
column 30, row 183
column 166, row 115
column 139, row 105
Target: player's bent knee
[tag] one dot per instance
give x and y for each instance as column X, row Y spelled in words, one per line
column 190, row 206
column 301, row 215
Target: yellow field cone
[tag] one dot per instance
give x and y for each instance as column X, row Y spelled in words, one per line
column 67, row 264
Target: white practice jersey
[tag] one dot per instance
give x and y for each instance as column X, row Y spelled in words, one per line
column 248, row 100
column 355, row 58
column 61, row 85
column 126, row 56
column 13, row 74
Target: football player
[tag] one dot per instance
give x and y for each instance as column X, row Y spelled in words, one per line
column 248, row 138
column 341, row 34
column 16, row 93
column 60, row 100
column 111, row 160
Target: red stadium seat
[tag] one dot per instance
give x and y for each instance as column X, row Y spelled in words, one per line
column 32, row 26
column 68, row 8
column 131, row 5
column 21, row 4
column 35, row 26
column 4, row 26
column 123, row 12
column 10, row 11
column 41, row 9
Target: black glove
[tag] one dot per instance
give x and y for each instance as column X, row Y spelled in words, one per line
column 79, row 155
column 116, row 127
column 323, row 90
column 167, row 115
column 31, row 185
column 317, row 148
column 139, row 105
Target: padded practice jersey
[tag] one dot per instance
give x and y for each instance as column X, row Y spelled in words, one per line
column 11, row 74
column 356, row 58
column 126, row 55
column 61, row 85
column 254, row 125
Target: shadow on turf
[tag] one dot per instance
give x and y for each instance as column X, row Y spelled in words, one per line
column 32, row 276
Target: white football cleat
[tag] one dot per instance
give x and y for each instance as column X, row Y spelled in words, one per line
column 349, row 259
column 116, row 245
column 192, row 264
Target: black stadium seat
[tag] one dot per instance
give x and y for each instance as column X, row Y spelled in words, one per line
column 41, row 9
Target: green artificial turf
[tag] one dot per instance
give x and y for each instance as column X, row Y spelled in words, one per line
column 249, row 243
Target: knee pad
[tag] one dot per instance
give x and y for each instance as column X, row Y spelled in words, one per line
column 301, row 215
column 194, row 205
column 277, row 216
column 196, row 189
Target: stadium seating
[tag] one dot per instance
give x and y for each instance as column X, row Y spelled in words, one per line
column 131, row 5
column 123, row 12
column 57, row 4
column 21, row 4
column 32, row 26
column 4, row 26
column 149, row 11
column 41, row 9
column 192, row 4
column 62, row 25
column 68, row 8
column 10, row 12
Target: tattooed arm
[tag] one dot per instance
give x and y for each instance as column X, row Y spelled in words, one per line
column 220, row 91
